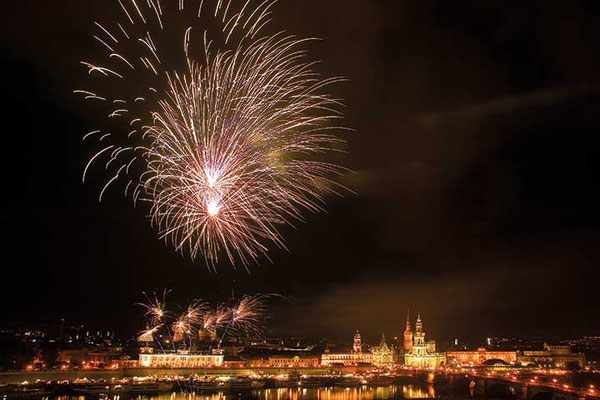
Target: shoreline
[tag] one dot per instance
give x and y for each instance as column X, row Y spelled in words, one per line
column 32, row 376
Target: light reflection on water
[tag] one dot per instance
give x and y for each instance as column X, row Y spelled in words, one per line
column 390, row 392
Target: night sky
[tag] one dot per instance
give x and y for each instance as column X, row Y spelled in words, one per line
column 476, row 162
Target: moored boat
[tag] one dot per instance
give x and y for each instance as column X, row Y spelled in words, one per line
column 311, row 381
column 17, row 392
column 241, row 383
column 105, row 388
column 349, row 381
column 380, row 381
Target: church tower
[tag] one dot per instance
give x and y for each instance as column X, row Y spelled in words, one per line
column 419, row 347
column 408, row 334
column 357, row 347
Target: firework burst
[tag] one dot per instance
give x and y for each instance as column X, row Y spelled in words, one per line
column 222, row 136
column 248, row 315
column 155, row 308
column 236, row 318
column 213, row 320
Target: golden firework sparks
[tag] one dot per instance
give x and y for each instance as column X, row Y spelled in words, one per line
column 221, row 137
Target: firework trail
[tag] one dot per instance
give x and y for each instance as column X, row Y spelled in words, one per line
column 155, row 308
column 235, row 318
column 213, row 320
column 248, row 314
column 220, row 130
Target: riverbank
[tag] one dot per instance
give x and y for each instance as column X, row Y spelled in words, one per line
column 71, row 375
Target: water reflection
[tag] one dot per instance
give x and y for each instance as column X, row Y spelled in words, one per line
column 390, row 392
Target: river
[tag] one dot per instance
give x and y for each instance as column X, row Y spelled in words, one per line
column 389, row 392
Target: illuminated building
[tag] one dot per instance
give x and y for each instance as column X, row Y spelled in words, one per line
column 482, row 355
column 423, row 355
column 234, row 362
column 408, row 335
column 175, row 359
column 90, row 358
column 298, row 361
column 383, row 356
column 357, row 344
column 355, row 357
column 346, row 359
column 258, row 362
column 553, row 356
column 180, row 360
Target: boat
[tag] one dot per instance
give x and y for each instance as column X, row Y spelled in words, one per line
column 241, row 383
column 149, row 387
column 21, row 391
column 349, row 381
column 311, row 381
column 284, row 383
column 207, row 385
column 380, row 380
column 134, row 388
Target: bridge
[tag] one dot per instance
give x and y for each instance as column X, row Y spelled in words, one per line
column 520, row 386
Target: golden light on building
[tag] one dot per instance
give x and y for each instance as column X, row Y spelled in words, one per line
column 423, row 354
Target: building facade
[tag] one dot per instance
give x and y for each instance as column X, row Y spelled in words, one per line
column 180, row 360
column 294, row 361
column 482, row 355
column 355, row 357
column 346, row 359
column 383, row 356
column 553, row 357
column 90, row 358
column 422, row 354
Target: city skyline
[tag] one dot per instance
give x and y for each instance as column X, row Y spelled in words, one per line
column 195, row 344
column 475, row 162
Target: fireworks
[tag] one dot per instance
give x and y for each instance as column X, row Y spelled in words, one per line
column 235, row 318
column 246, row 315
column 221, row 134
column 213, row 320
column 155, row 308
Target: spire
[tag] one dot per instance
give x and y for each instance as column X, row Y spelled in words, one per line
column 357, row 345
column 382, row 340
column 419, row 324
column 408, row 334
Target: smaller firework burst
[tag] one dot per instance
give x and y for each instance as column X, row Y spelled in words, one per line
column 248, row 315
column 155, row 308
column 234, row 318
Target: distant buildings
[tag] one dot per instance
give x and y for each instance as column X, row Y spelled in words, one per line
column 421, row 354
column 383, row 356
column 294, row 361
column 553, row 356
column 355, row 357
column 482, row 355
column 180, row 360
column 61, row 347
column 91, row 358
